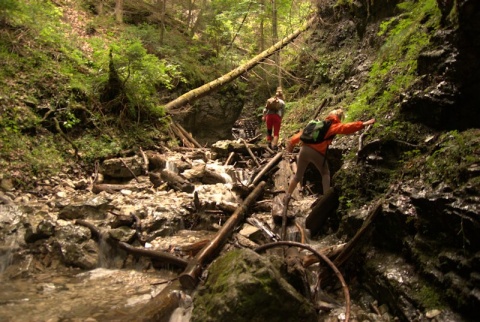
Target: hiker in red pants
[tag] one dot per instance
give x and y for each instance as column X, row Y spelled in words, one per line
column 272, row 115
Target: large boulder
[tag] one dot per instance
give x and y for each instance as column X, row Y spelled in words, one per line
column 245, row 286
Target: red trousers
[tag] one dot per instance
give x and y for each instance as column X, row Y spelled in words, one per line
column 273, row 122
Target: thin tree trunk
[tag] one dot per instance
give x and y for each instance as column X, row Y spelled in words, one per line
column 237, row 72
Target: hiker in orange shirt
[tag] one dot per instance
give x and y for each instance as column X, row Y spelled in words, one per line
column 316, row 152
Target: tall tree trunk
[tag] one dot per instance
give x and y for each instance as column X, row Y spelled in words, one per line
column 212, row 86
column 162, row 4
column 275, row 39
column 100, row 8
column 119, row 11
column 262, row 31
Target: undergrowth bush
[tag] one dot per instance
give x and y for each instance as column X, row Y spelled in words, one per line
column 142, row 75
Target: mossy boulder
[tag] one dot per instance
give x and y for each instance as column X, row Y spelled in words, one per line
column 245, row 286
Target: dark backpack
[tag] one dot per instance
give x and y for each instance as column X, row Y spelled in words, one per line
column 273, row 104
column 315, row 131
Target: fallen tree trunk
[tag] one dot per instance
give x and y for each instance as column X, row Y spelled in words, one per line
column 190, row 277
column 267, row 168
column 154, row 254
column 161, row 307
column 237, row 72
column 99, row 187
column 356, row 240
column 176, row 181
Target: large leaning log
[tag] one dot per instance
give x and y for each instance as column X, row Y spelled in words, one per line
column 214, row 85
column 267, row 168
column 356, row 240
column 320, row 212
column 190, row 277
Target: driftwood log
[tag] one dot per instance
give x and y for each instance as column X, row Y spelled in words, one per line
column 330, row 252
column 355, row 241
column 230, row 158
column 164, row 257
column 190, row 277
column 176, row 181
column 251, row 153
column 321, row 256
column 188, row 136
column 178, row 133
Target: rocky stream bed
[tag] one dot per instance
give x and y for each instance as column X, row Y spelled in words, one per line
column 111, row 246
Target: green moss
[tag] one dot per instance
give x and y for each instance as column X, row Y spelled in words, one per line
column 452, row 157
column 395, row 68
column 430, row 298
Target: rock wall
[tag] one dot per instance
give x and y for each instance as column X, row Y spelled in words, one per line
column 212, row 118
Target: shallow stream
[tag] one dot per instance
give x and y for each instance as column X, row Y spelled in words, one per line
column 97, row 295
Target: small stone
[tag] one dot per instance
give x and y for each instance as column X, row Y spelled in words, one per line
column 432, row 313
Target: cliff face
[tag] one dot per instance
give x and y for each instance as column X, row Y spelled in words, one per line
column 414, row 67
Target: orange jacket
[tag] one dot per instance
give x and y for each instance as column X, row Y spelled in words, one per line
column 337, row 127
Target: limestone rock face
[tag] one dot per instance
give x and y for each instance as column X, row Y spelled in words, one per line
column 213, row 117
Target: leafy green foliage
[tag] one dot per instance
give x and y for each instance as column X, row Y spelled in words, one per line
column 21, row 155
column 94, row 147
column 142, row 74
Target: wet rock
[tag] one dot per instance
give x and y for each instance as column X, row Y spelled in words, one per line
column 6, row 184
column 117, row 168
column 92, row 208
column 123, row 234
column 196, row 172
column 76, row 247
column 39, row 226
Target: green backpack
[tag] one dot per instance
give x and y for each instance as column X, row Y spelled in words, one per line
column 315, row 131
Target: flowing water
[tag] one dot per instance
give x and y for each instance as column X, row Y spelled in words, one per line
column 97, row 295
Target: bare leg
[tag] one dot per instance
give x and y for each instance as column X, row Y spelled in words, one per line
column 275, row 141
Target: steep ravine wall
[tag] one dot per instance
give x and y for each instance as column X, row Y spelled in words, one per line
column 422, row 257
